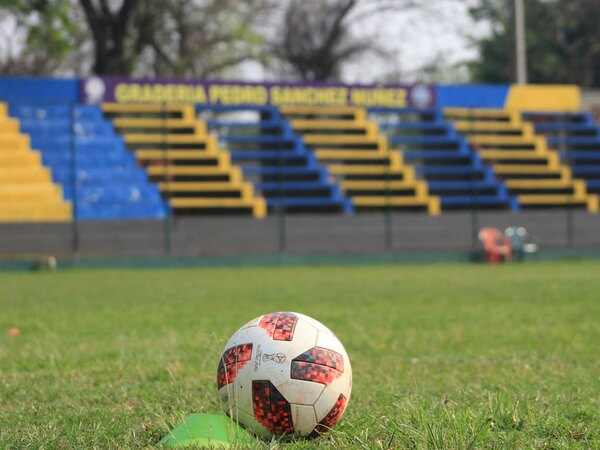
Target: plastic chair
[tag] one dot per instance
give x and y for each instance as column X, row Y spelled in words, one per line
column 496, row 246
column 522, row 242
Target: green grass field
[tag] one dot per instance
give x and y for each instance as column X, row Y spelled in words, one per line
column 443, row 356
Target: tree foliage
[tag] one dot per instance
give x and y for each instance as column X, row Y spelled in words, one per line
column 173, row 37
column 299, row 39
column 562, row 41
column 198, row 39
column 190, row 38
column 38, row 36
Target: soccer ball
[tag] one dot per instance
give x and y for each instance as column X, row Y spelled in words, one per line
column 284, row 373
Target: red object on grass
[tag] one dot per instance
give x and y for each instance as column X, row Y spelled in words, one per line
column 496, row 245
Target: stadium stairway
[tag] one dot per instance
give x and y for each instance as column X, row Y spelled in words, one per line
column 440, row 156
column 358, row 156
column 90, row 161
column 281, row 168
column 576, row 138
column 27, row 193
column 180, row 155
column 531, row 172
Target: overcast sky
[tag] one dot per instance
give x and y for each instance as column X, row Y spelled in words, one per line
column 417, row 38
column 414, row 38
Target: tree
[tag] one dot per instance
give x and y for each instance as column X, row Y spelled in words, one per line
column 111, row 31
column 562, row 39
column 38, row 36
column 199, row 38
column 188, row 38
column 315, row 39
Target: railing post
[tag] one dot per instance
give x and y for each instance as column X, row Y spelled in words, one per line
column 388, row 223
column 281, row 222
column 473, row 180
column 75, row 238
column 563, row 149
column 167, row 229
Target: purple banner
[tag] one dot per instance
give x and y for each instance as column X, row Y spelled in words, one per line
column 130, row 90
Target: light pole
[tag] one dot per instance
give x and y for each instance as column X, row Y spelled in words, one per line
column 520, row 42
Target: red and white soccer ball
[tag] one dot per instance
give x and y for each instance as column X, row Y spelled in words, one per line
column 284, row 373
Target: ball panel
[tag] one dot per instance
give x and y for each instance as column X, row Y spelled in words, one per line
column 332, row 417
column 324, row 357
column 232, row 360
column 318, row 365
column 342, row 384
column 315, row 373
column 245, row 418
column 331, row 393
column 315, row 323
column 271, row 409
column 304, row 419
column 234, row 401
column 280, row 325
column 326, row 339
column 252, row 323
column 301, row 392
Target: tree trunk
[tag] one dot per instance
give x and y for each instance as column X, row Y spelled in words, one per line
column 110, row 34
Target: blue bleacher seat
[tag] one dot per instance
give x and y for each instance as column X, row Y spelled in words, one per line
column 51, row 127
column 90, row 161
column 452, row 169
column 112, row 210
column 577, row 139
column 53, row 110
column 283, row 170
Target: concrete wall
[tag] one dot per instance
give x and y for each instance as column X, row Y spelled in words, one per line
column 304, row 234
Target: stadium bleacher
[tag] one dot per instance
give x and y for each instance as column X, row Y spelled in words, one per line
column 183, row 159
column 27, row 193
column 577, row 139
column 531, row 171
column 453, row 171
column 89, row 161
column 274, row 159
column 504, row 148
column 358, row 156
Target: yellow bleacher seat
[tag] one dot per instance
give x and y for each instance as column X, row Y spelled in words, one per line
column 325, row 112
column 24, row 174
column 324, row 126
column 190, row 171
column 495, row 127
column 160, row 125
column 13, row 141
column 223, row 160
column 530, row 171
column 358, row 156
column 343, row 139
column 9, row 125
column 149, row 110
column 180, row 155
column 19, row 158
column 27, row 193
